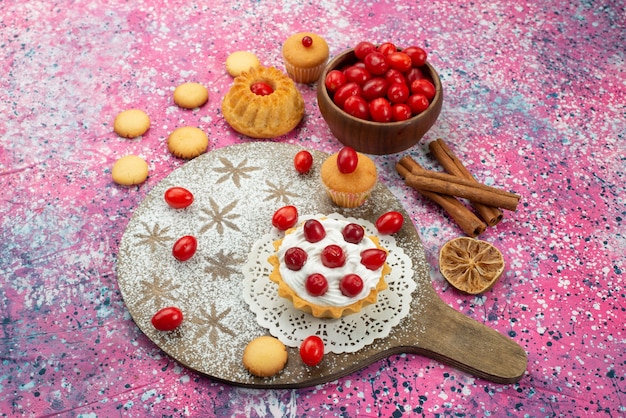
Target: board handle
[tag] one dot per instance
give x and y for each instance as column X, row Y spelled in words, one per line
column 468, row 345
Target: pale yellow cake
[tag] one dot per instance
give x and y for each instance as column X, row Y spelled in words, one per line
column 263, row 116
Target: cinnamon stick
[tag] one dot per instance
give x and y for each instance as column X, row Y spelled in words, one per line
column 467, row 221
column 448, row 184
column 453, row 165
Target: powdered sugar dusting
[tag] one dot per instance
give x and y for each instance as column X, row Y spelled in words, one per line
column 236, row 191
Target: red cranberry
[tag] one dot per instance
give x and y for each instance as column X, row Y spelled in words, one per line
column 295, row 258
column 351, row 285
column 333, row 256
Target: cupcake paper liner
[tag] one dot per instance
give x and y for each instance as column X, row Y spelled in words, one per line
column 304, row 75
column 348, row 199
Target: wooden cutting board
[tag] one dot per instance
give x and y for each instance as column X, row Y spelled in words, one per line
column 236, row 191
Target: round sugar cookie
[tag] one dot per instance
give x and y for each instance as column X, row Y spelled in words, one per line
column 187, row 142
column 241, row 61
column 191, row 95
column 265, row 356
column 131, row 123
column 130, row 170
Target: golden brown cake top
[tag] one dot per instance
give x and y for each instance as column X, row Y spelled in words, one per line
column 266, row 116
column 361, row 179
column 302, row 56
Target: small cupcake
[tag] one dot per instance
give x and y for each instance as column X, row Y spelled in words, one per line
column 305, row 55
column 349, row 188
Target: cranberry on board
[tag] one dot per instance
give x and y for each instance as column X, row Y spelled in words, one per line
column 373, row 258
column 178, row 197
column 417, row 54
column 347, row 160
column 357, row 74
column 389, row 222
column 261, row 88
column 351, row 285
column 333, row 256
column 425, row 87
column 302, row 161
column 313, row 230
column 312, row 350
column 316, row 284
column 167, row 319
column 374, row 88
column 380, row 110
column 295, row 258
column 353, row 233
column 184, row 248
column 357, row 106
column 285, row 217
column 400, row 112
column 345, row 91
column 334, row 79
column 363, row 48
column 398, row 93
column 376, row 63
column 418, row 103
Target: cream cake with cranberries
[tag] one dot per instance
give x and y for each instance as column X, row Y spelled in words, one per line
column 329, row 267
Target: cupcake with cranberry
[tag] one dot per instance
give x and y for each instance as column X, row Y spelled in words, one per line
column 305, row 55
column 349, row 177
column 329, row 267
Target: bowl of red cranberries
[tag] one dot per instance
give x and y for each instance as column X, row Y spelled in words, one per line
column 380, row 99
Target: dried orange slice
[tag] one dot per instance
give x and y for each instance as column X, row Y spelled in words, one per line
column 470, row 265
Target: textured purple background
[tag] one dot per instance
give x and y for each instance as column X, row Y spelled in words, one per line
column 534, row 102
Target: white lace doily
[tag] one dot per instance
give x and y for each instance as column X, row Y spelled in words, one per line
column 344, row 335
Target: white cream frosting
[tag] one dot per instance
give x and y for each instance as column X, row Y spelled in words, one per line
column 333, row 296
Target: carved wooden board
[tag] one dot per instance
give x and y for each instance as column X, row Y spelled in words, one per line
column 236, row 191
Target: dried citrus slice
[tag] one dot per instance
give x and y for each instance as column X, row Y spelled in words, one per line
column 470, row 265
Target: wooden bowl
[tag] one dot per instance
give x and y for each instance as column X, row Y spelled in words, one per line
column 376, row 138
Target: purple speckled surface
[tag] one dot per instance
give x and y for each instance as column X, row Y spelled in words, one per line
column 534, row 102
